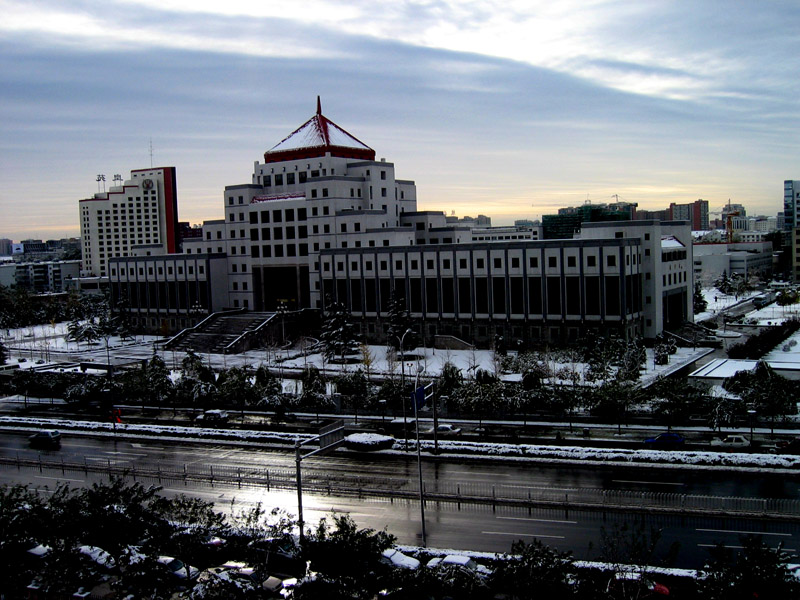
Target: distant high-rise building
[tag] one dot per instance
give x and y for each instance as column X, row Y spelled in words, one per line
column 138, row 217
column 696, row 212
column 5, row 247
column 568, row 221
column 791, row 198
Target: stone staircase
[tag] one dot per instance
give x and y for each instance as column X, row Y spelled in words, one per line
column 215, row 335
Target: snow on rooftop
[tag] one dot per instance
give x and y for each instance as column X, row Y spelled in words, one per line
column 318, row 132
column 670, row 241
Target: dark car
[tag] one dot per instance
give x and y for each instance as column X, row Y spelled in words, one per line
column 788, row 447
column 665, row 441
column 47, row 438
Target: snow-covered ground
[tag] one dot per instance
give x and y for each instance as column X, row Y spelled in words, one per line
column 717, row 301
column 46, row 343
column 773, row 314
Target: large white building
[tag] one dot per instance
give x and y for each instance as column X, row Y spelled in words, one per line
column 323, row 220
column 138, row 217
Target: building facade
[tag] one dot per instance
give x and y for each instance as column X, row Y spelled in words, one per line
column 322, row 220
column 694, row 212
column 142, row 211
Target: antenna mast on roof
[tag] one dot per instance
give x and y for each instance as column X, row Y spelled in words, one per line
column 319, row 106
column 151, row 153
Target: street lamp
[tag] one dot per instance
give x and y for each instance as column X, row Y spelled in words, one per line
column 402, row 339
column 419, row 460
column 752, row 414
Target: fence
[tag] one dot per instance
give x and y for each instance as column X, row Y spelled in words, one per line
column 318, row 481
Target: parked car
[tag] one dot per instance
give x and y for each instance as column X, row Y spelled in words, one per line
column 788, row 447
column 47, row 438
column 444, row 430
column 213, row 417
column 459, row 561
column 731, row 441
column 665, row 441
column 179, row 568
column 632, row 584
column 396, row 558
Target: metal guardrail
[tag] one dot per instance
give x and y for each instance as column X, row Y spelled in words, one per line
column 322, row 482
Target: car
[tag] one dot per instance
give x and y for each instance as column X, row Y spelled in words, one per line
column 396, row 558
column 665, row 441
column 632, row 584
column 459, row 561
column 731, row 441
column 46, row 438
column 444, row 430
column 213, row 417
column 179, row 568
column 98, row 555
column 279, row 556
column 788, row 447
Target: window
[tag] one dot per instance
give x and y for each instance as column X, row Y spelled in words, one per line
column 515, row 262
column 552, row 262
column 313, row 195
column 571, row 261
column 343, row 227
column 591, row 261
column 415, row 264
column 384, row 266
column 278, row 179
column 446, row 263
column 398, row 265
column 462, row 263
column 498, row 263
column 277, row 217
column 533, row 262
column 429, row 264
column 611, row 260
column 289, row 214
column 479, row 263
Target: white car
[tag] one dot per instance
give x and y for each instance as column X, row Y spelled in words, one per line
column 731, row 441
column 444, row 430
column 98, row 555
column 179, row 568
column 459, row 560
column 398, row 559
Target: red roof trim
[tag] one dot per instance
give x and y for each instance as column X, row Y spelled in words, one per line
column 319, row 152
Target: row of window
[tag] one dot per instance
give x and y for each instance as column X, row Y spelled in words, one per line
column 131, row 271
column 279, row 250
column 480, row 263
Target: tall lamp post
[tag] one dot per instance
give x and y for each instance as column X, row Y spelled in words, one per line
column 752, row 414
column 419, row 459
column 402, row 340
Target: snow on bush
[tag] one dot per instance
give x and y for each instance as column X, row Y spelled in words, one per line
column 368, row 441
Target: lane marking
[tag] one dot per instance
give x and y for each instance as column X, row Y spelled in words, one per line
column 120, row 453
column 59, row 478
column 537, row 520
column 138, row 445
column 480, row 473
column 514, row 534
column 744, row 532
column 646, row 482
column 739, row 547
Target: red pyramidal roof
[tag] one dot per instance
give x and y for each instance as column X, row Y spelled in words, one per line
column 314, row 138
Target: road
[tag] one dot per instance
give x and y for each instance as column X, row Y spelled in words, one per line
column 476, row 527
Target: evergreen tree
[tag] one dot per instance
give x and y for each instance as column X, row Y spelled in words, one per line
column 3, row 353
column 338, row 334
column 723, row 283
column 400, row 322
column 757, row 571
column 698, row 300
column 157, row 378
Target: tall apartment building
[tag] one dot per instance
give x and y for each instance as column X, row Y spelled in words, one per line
column 140, row 216
column 695, row 212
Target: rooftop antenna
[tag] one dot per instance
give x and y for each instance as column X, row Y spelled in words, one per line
column 319, row 106
column 151, row 153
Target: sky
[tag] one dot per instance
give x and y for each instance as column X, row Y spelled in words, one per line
column 507, row 108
